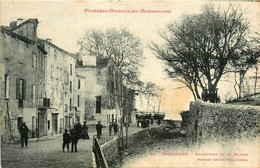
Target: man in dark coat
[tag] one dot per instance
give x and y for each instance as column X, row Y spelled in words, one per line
column 66, row 140
column 23, row 129
column 110, row 127
column 115, row 126
column 75, row 135
column 99, row 129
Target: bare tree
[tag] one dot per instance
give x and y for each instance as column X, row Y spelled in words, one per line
column 123, row 47
column 198, row 49
column 246, row 59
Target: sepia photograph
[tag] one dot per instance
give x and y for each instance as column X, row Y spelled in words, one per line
column 129, row 84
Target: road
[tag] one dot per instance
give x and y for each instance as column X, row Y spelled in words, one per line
column 48, row 153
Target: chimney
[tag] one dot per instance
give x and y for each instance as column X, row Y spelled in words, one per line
column 49, row 39
column 80, row 54
column 13, row 24
column 19, row 21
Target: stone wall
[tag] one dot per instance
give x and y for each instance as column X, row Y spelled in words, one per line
column 221, row 122
column 110, row 149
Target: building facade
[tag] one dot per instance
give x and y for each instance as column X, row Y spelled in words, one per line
column 50, row 89
column 22, row 81
column 103, row 89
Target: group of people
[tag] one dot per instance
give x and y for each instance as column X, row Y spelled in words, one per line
column 113, row 126
column 145, row 122
column 76, row 133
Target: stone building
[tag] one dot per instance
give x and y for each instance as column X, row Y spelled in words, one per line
column 103, row 89
column 60, row 86
column 129, row 111
column 22, row 79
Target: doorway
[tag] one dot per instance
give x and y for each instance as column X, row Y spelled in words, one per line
column 54, row 123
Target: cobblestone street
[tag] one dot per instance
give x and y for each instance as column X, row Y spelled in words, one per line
column 47, row 153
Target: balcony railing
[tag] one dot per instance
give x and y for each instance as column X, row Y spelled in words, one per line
column 44, row 103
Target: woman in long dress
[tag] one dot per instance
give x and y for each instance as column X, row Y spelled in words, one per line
column 85, row 131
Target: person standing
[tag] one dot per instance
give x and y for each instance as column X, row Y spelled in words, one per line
column 24, row 134
column 99, row 129
column 74, row 138
column 115, row 127
column 66, row 140
column 159, row 122
column 79, row 130
column 110, row 129
column 85, row 131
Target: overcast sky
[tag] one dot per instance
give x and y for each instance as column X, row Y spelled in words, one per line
column 65, row 23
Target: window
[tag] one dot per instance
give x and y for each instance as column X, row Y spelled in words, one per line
column 20, row 88
column 20, row 103
column 55, row 54
column 7, row 86
column 52, row 73
column 49, row 124
column 33, row 93
column 66, row 107
column 78, row 100
column 70, row 104
column 79, row 84
column 19, row 121
column 43, row 63
column 20, row 51
column 40, row 63
column 57, row 72
column 98, row 104
column 34, row 60
column 71, row 86
column 70, row 69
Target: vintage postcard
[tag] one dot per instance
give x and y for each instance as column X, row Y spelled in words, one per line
column 129, row 84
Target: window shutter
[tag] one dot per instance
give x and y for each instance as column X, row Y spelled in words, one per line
column 17, row 88
column 24, row 89
column 33, row 60
column 32, row 92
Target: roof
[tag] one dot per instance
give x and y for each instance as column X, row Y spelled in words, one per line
column 53, row 45
column 31, row 20
column 12, row 34
column 22, row 38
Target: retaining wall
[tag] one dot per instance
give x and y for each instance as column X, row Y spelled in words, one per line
column 221, row 122
column 110, row 149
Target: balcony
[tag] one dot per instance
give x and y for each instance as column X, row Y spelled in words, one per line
column 44, row 103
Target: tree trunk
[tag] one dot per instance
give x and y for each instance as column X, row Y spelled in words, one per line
column 236, row 84
column 256, row 71
column 196, row 91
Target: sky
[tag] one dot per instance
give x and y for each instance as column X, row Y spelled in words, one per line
column 65, row 22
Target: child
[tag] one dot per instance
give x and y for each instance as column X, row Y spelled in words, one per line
column 66, row 140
